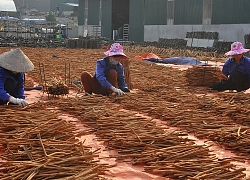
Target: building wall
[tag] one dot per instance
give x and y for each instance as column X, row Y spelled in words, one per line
column 155, row 12
column 93, row 12
column 81, row 11
column 136, row 20
column 227, row 32
column 106, row 18
column 228, row 18
column 188, row 11
column 90, row 15
column 230, row 12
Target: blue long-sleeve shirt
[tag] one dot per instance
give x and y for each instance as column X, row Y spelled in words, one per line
column 17, row 86
column 102, row 68
column 243, row 66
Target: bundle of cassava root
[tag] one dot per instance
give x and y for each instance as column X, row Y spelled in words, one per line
column 56, row 87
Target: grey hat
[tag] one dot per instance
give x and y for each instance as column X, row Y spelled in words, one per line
column 16, row 60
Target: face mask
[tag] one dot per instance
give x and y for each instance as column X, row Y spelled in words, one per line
column 113, row 62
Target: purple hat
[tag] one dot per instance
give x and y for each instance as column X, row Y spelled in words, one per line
column 236, row 48
column 115, row 50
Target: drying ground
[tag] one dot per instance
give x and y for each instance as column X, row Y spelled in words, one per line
column 159, row 125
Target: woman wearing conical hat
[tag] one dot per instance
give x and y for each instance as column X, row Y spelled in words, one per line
column 13, row 65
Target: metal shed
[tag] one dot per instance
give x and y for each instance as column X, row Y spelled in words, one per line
column 114, row 14
column 154, row 19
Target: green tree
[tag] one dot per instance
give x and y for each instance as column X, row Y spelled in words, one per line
column 50, row 17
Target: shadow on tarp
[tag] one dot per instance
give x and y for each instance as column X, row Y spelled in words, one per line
column 182, row 60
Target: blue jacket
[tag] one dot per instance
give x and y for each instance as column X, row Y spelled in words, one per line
column 17, row 89
column 102, row 68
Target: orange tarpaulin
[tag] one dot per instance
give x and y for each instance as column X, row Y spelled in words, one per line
column 147, row 56
column 105, row 47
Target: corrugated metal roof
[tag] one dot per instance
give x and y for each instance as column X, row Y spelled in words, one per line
column 7, row 5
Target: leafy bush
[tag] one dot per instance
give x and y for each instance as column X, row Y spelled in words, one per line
column 50, row 17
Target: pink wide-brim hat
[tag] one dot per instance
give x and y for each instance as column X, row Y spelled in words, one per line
column 115, row 50
column 236, row 48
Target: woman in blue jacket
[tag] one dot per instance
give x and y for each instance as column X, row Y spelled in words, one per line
column 13, row 65
column 109, row 75
column 236, row 70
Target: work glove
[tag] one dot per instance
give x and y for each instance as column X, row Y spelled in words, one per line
column 18, row 101
column 118, row 91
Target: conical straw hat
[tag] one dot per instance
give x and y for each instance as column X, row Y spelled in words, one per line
column 16, row 60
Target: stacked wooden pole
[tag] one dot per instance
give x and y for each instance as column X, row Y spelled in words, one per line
column 139, row 140
column 38, row 145
column 203, row 75
column 125, row 62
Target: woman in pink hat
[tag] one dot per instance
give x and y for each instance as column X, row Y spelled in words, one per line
column 109, row 76
column 236, row 70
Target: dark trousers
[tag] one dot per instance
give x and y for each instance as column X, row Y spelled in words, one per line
column 91, row 85
column 7, row 88
column 237, row 81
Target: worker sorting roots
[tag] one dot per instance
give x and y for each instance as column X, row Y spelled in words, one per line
column 109, row 75
column 13, row 65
